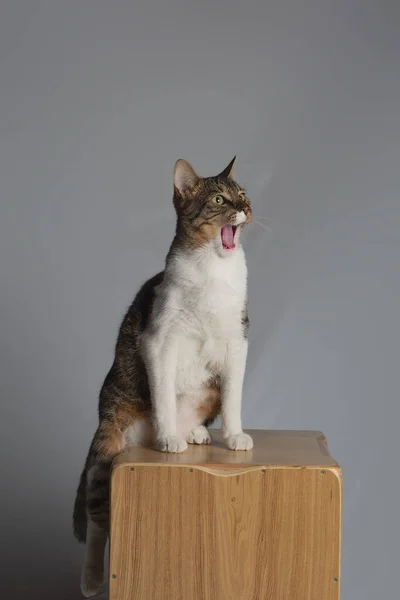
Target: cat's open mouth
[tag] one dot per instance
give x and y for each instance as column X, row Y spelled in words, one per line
column 228, row 237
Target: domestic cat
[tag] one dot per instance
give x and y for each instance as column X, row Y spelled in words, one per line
column 181, row 351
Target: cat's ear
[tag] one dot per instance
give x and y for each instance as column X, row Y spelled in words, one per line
column 185, row 177
column 228, row 171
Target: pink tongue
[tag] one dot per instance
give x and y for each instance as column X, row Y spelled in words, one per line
column 227, row 235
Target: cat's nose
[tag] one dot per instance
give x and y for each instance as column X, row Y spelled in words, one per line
column 247, row 212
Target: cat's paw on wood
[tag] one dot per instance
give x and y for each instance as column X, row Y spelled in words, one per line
column 171, row 443
column 241, row 441
column 199, row 435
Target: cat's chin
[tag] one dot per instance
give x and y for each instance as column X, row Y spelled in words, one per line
column 226, row 252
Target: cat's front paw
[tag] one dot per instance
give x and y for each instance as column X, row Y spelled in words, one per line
column 199, row 435
column 171, row 443
column 240, row 441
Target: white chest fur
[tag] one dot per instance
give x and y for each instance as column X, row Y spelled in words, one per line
column 199, row 308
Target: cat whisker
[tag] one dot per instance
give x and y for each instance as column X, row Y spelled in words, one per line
column 263, row 226
column 264, row 218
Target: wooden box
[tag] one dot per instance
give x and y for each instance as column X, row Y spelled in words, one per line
column 212, row 524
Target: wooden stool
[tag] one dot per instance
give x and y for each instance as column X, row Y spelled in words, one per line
column 213, row 524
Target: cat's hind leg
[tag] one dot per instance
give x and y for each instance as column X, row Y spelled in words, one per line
column 189, row 425
column 107, row 443
column 93, row 566
column 196, row 415
column 198, row 435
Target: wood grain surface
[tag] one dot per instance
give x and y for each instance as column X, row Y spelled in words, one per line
column 228, row 530
column 273, row 448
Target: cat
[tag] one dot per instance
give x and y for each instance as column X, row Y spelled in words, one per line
column 180, row 356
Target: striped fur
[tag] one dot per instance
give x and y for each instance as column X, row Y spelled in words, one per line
column 130, row 404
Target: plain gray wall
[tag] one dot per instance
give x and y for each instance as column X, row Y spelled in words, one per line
column 97, row 101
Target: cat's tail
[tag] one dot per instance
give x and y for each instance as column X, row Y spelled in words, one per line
column 80, row 517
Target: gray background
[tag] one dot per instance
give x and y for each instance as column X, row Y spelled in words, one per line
column 97, row 101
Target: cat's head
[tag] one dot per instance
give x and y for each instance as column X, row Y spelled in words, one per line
column 211, row 210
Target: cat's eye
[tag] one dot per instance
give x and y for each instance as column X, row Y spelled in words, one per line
column 219, row 200
column 242, row 196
